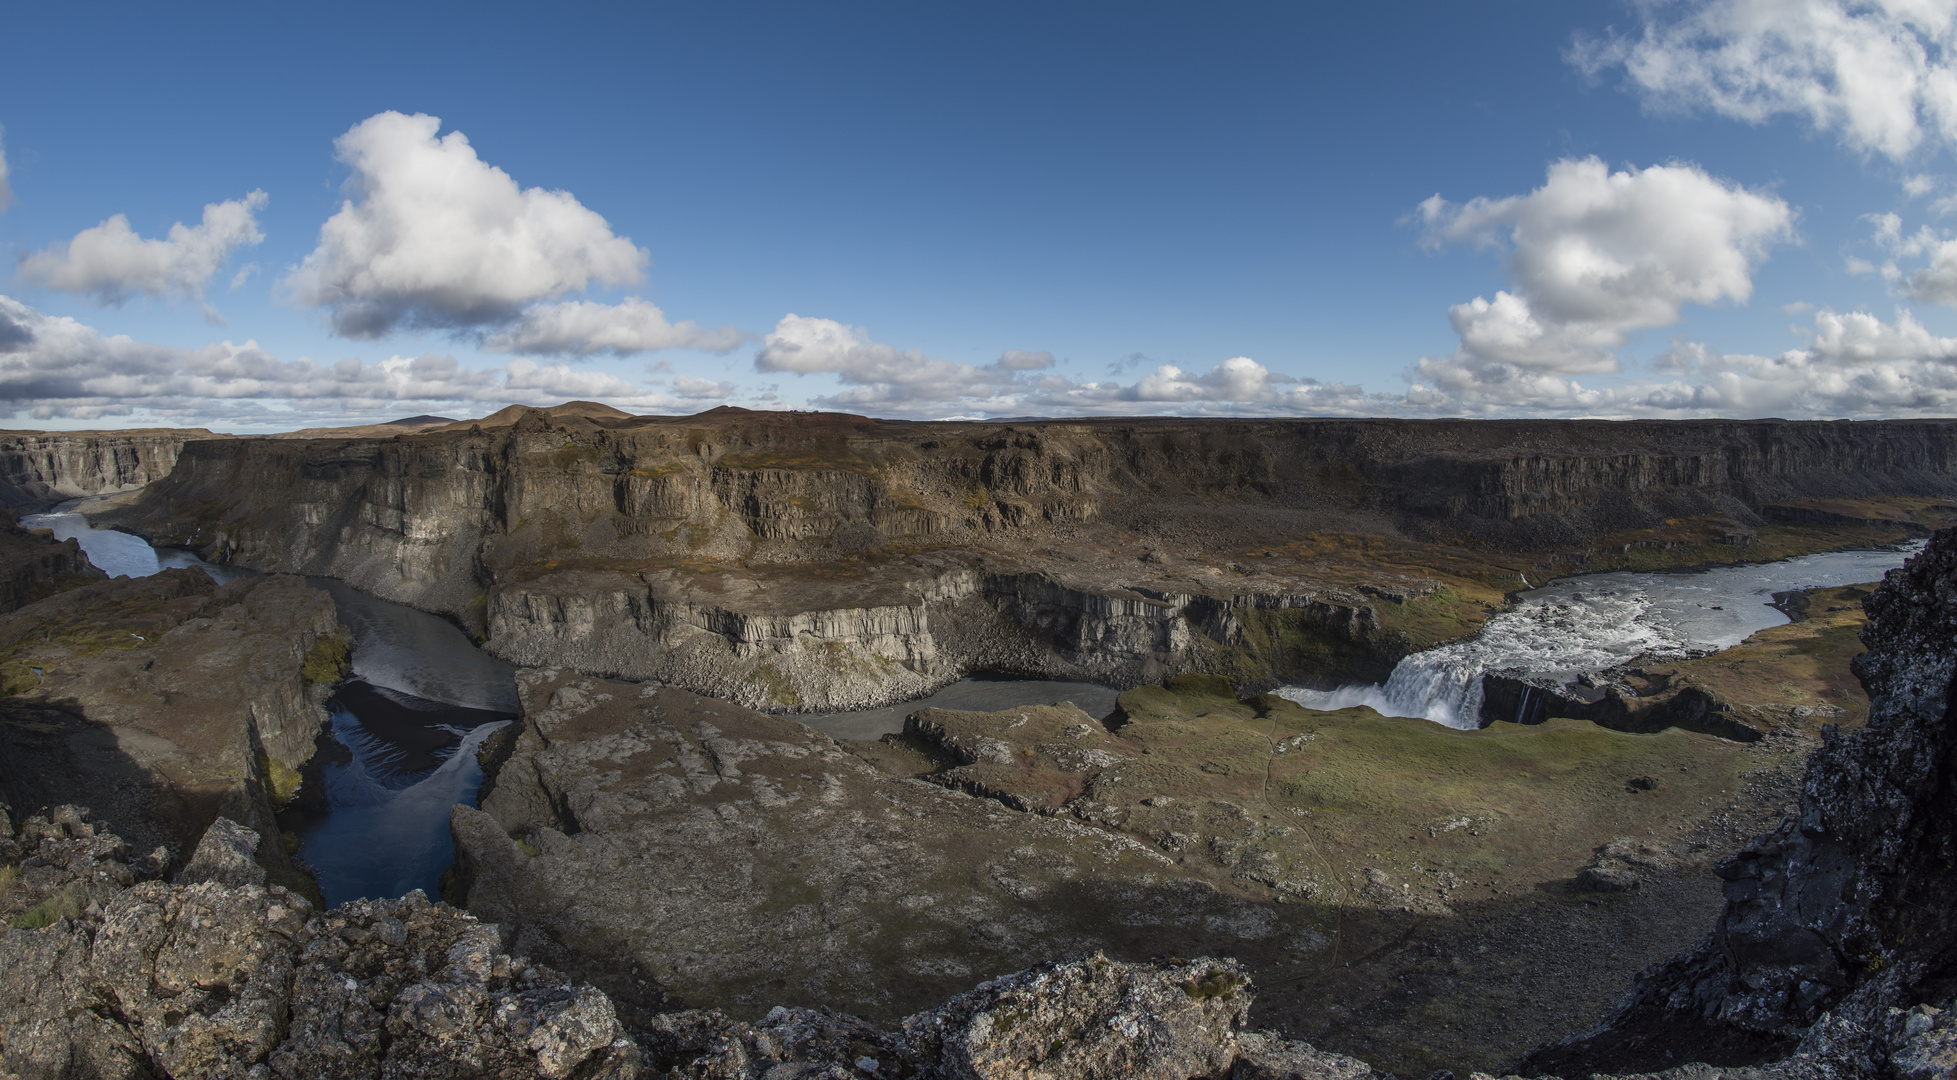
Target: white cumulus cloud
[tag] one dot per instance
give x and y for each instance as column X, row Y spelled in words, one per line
column 581, row 328
column 436, row 237
column 1594, row 256
column 1880, row 74
column 883, row 378
column 110, row 262
column 1856, row 365
column 1237, row 386
column 1934, row 282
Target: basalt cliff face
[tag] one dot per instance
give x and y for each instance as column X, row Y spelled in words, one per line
column 40, row 468
column 1837, row 941
column 166, row 701
column 33, row 564
column 815, row 561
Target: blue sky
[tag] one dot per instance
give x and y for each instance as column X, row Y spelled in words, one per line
column 972, row 210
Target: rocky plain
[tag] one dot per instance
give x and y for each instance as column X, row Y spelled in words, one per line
column 1735, row 864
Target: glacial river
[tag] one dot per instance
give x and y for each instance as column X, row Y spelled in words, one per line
column 421, row 696
column 1595, row 622
column 405, row 726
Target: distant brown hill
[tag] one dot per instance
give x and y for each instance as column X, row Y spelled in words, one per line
column 506, row 417
column 404, row 426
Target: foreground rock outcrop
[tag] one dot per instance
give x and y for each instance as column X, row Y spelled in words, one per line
column 167, row 700
column 115, row 974
column 806, row 562
column 33, row 564
column 220, row 976
column 1838, row 941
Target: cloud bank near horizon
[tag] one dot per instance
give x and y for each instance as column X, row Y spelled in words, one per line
column 57, row 368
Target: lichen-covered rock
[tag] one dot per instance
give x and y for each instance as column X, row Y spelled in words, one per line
column 1263, row 1056
column 1091, row 1019
column 226, row 855
column 226, row 979
column 797, row 1044
column 1928, row 1047
column 1088, row 1019
column 209, row 979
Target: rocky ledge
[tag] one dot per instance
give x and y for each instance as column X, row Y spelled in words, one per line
column 113, row 974
column 166, row 701
column 34, row 565
column 1837, row 950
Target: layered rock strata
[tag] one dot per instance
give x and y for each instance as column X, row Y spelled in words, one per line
column 819, row 561
column 40, row 468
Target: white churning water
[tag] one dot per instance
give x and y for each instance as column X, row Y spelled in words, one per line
column 420, row 700
column 1596, row 622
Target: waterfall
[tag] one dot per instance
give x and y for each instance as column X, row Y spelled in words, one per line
column 1441, row 685
column 1592, row 624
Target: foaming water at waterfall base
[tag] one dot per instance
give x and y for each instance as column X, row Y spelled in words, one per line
column 1590, row 624
column 403, row 731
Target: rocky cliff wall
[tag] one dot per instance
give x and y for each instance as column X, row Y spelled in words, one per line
column 168, row 699
column 33, row 564
column 38, row 468
column 686, row 548
column 1837, row 940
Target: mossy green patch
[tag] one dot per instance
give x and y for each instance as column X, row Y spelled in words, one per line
column 281, row 780
column 1781, row 668
column 62, row 905
column 327, row 661
column 1216, row 984
column 779, row 690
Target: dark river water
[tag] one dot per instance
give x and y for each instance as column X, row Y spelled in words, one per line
column 372, row 817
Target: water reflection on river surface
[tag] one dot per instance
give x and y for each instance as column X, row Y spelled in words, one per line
column 400, row 746
column 400, row 749
column 119, row 554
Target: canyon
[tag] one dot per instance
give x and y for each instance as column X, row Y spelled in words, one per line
column 38, row 468
column 812, row 562
column 674, row 877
